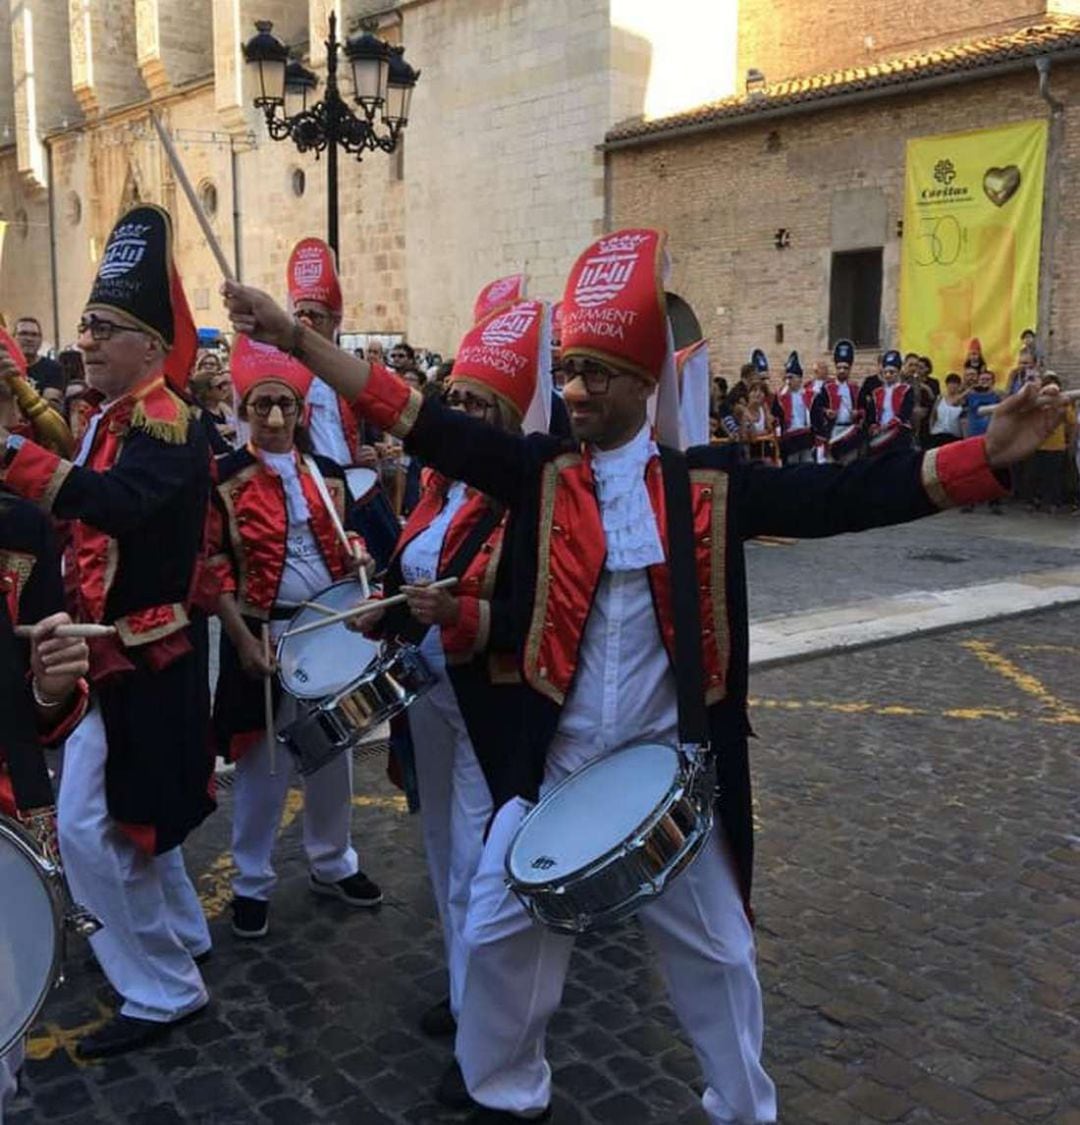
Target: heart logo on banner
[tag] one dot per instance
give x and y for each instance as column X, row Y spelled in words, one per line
column 1000, row 184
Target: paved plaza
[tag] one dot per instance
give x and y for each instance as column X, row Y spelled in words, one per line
column 918, row 908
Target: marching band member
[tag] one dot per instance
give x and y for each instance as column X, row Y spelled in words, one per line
column 889, row 407
column 44, row 692
column 592, row 608
column 791, row 409
column 315, row 298
column 137, row 771
column 280, row 550
column 836, row 407
column 456, row 733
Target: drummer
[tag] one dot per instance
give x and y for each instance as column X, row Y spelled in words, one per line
column 137, row 774
column 315, row 298
column 836, row 407
column 42, row 684
column 889, row 408
column 791, row 409
column 280, row 550
column 457, row 731
column 592, row 596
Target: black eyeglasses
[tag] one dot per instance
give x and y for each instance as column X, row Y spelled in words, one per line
column 596, row 377
column 261, row 407
column 473, row 406
column 101, row 329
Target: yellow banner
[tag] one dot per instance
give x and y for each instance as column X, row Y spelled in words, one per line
column 970, row 252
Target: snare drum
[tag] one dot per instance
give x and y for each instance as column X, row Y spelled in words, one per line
column 398, row 678
column 31, row 927
column 845, row 441
column 325, row 661
column 576, row 868
column 886, row 439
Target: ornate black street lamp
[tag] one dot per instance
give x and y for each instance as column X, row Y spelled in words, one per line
column 382, row 86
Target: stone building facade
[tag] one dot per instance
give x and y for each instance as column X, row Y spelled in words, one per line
column 822, row 156
column 500, row 168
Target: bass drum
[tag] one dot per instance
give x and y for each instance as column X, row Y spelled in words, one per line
column 31, row 926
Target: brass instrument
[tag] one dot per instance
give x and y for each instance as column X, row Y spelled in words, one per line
column 50, row 429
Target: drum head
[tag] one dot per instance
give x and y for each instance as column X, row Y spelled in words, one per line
column 28, row 939
column 324, row 661
column 591, row 813
column 360, row 481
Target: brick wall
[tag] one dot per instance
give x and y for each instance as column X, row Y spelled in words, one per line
column 784, row 38
column 723, row 195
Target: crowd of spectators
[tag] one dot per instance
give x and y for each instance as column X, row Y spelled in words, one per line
column 942, row 412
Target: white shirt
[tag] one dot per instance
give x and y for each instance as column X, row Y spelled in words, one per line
column 846, row 405
column 887, row 413
column 800, row 412
column 327, row 432
column 624, row 691
column 420, row 563
column 947, row 418
column 304, row 574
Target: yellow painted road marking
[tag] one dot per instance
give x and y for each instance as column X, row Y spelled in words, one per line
column 1071, row 650
column 904, row 711
column 49, row 1037
column 1031, row 685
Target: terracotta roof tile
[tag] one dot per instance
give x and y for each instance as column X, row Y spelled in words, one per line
column 1054, row 35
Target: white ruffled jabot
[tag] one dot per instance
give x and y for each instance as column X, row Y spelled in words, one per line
column 633, row 540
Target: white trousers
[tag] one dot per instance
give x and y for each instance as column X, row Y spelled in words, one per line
column 259, row 797
column 152, row 922
column 10, row 1064
column 517, row 969
column 455, row 805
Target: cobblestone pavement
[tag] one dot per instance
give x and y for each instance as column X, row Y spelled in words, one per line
column 918, row 898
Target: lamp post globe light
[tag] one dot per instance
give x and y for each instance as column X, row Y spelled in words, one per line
column 382, row 84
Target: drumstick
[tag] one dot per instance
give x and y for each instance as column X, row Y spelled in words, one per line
column 365, row 607
column 1042, row 400
column 82, row 631
column 268, row 703
column 192, row 198
column 318, row 607
column 331, row 511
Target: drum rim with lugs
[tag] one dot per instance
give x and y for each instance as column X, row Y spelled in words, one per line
column 13, row 837
column 685, row 791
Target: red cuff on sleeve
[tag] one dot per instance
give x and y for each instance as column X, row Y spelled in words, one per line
column 459, row 639
column 959, row 473
column 388, row 401
column 36, row 474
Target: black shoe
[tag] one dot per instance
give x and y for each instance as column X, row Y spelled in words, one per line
column 250, row 917
column 438, row 1021
column 482, row 1115
column 125, row 1033
column 356, row 890
column 452, row 1091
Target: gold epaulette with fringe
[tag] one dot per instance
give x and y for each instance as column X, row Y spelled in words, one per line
column 162, row 414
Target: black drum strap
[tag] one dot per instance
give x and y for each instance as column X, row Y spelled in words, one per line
column 686, row 606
